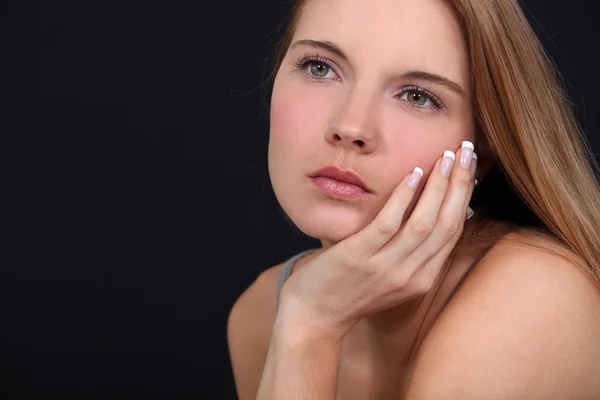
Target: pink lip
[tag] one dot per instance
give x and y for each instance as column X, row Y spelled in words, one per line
column 335, row 182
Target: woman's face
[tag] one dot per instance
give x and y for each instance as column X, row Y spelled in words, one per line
column 396, row 100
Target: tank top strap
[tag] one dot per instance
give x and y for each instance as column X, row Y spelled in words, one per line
column 286, row 271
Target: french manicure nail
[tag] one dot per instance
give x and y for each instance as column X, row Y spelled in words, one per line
column 474, row 166
column 414, row 179
column 470, row 212
column 466, row 154
column 447, row 163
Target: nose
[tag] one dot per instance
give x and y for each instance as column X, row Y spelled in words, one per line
column 354, row 127
column 352, row 139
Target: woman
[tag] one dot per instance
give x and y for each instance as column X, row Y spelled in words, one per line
column 410, row 297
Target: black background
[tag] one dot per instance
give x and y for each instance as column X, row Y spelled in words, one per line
column 133, row 152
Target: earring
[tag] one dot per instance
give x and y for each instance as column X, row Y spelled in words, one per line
column 477, row 181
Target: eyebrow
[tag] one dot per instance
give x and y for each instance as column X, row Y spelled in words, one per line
column 421, row 75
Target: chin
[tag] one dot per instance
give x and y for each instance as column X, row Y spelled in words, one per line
column 330, row 222
column 315, row 215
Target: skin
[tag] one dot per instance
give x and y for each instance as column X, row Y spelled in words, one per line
column 545, row 311
column 357, row 116
column 318, row 123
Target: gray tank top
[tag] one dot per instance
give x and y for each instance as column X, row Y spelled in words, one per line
column 286, row 270
column 289, row 264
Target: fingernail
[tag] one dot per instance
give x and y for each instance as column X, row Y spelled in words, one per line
column 447, row 163
column 470, row 212
column 466, row 154
column 474, row 166
column 414, row 179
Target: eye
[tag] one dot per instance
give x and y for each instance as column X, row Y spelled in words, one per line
column 417, row 98
column 318, row 68
column 420, row 98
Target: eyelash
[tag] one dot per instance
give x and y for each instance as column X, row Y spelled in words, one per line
column 303, row 62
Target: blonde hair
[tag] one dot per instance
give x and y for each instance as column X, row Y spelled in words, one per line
column 543, row 160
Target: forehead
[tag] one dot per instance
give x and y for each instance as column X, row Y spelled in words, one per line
column 398, row 34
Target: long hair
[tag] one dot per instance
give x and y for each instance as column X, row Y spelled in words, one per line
column 543, row 178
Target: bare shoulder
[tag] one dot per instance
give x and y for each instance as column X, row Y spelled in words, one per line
column 525, row 324
column 522, row 256
column 249, row 328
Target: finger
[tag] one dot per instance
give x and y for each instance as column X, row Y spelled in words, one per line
column 422, row 220
column 469, row 211
column 423, row 279
column 452, row 215
column 426, row 276
column 386, row 224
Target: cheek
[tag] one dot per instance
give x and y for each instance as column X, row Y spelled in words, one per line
column 296, row 125
column 295, row 114
column 285, row 116
column 419, row 141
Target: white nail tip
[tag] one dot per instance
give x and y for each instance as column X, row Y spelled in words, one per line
column 468, row 144
column 418, row 170
column 475, row 156
column 450, row 154
column 470, row 212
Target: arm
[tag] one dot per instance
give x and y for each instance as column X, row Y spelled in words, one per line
column 302, row 363
column 301, row 357
column 249, row 328
column 387, row 263
column 524, row 326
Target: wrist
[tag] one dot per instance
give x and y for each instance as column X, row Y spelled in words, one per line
column 302, row 341
column 299, row 322
column 303, row 360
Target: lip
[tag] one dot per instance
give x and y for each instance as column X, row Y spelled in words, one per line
column 342, row 176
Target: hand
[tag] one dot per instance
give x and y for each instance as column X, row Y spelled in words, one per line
column 389, row 261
